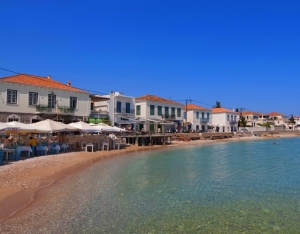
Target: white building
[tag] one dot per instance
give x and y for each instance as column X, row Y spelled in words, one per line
column 253, row 118
column 119, row 107
column 224, row 120
column 28, row 99
column 158, row 114
column 198, row 118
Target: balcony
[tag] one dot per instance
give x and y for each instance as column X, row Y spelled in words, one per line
column 59, row 109
column 167, row 116
column 204, row 120
column 124, row 111
column 232, row 121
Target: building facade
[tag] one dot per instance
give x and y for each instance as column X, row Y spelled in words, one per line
column 157, row 114
column 119, row 107
column 28, row 99
column 198, row 118
column 224, row 120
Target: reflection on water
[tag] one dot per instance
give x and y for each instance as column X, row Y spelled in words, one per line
column 250, row 187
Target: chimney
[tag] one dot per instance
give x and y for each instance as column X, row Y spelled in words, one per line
column 49, row 77
column 69, row 83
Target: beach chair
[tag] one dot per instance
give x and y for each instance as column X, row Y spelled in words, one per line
column 54, row 149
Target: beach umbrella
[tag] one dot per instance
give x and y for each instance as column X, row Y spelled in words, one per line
column 4, row 127
column 25, row 128
column 119, row 129
column 53, row 126
column 104, row 128
column 84, row 127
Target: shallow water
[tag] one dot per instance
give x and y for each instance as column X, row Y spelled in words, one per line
column 235, row 187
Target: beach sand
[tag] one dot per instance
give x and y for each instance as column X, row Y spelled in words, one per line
column 22, row 180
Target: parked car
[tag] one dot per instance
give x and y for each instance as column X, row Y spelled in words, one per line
column 243, row 130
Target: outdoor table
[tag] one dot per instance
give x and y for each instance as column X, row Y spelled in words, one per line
column 25, row 148
column 43, row 149
column 6, row 151
column 54, row 149
column 64, row 147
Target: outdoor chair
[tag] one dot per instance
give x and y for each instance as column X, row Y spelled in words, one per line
column 105, row 144
column 1, row 156
column 83, row 145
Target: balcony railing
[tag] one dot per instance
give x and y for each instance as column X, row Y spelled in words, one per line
column 232, row 121
column 59, row 109
column 167, row 116
column 204, row 120
column 124, row 111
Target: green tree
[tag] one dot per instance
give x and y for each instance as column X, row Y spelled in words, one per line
column 242, row 122
column 267, row 125
column 218, row 105
column 292, row 120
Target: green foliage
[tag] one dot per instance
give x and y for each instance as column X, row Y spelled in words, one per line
column 242, row 122
column 292, row 120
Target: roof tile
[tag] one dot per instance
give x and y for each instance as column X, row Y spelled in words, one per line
column 39, row 81
column 150, row 97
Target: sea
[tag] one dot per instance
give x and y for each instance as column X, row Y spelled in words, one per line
column 225, row 187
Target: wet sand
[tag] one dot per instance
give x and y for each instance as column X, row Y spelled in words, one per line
column 22, row 180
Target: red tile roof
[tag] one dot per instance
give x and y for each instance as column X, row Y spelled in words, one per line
column 39, row 81
column 221, row 110
column 251, row 113
column 194, row 107
column 275, row 114
column 149, row 97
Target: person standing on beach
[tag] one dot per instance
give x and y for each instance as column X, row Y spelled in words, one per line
column 33, row 144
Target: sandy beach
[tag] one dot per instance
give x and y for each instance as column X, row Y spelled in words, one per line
column 22, row 180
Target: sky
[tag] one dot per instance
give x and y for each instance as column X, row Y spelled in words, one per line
column 244, row 54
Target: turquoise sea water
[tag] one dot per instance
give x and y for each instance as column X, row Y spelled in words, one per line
column 233, row 187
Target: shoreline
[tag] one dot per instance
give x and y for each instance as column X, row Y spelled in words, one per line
column 22, row 181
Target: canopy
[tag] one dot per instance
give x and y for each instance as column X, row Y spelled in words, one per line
column 24, row 128
column 84, row 127
column 119, row 129
column 53, row 126
column 5, row 127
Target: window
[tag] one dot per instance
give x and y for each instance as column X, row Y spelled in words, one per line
column 202, row 115
column 208, row 116
column 119, row 106
column 127, row 107
column 152, row 110
column 197, row 115
column 178, row 112
column 73, row 102
column 235, row 118
column 173, row 112
column 159, row 110
column 138, row 110
column 12, row 96
column 33, row 98
column 166, row 112
column 227, row 117
column 51, row 100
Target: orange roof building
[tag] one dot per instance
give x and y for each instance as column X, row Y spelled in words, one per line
column 198, row 118
column 29, row 98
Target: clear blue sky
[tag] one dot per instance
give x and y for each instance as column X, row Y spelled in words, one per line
column 241, row 53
